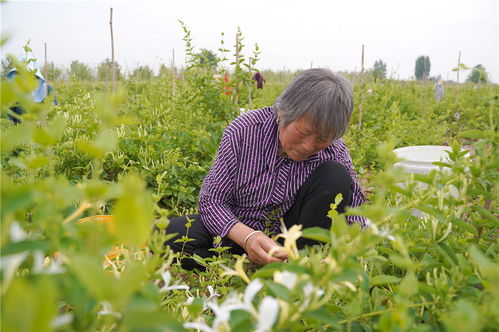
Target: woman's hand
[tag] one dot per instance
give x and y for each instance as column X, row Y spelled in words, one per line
column 257, row 245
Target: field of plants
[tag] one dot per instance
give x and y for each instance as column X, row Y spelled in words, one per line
column 140, row 155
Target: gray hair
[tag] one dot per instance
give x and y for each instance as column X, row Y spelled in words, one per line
column 326, row 98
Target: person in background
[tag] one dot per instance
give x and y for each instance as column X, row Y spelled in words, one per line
column 258, row 77
column 439, row 88
column 283, row 161
column 38, row 95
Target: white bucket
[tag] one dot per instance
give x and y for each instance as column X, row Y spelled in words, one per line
column 419, row 159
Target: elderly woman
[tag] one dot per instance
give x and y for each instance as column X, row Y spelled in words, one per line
column 284, row 161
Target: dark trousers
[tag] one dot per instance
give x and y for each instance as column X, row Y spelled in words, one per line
column 309, row 209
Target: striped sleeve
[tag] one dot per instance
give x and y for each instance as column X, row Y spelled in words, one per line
column 357, row 199
column 216, row 195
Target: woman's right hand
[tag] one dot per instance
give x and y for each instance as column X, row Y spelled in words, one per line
column 258, row 247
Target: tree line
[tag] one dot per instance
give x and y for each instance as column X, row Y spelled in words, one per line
column 83, row 72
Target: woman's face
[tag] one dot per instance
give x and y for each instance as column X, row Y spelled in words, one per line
column 299, row 141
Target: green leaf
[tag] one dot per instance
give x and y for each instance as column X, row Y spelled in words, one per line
column 93, row 277
column 323, row 315
column 196, row 307
column 15, row 136
column 317, row 234
column 278, row 290
column 14, row 197
column 409, row 285
column 384, row 279
column 151, row 321
column 29, row 305
column 464, row 226
column 25, row 245
column 447, row 254
column 43, row 137
column 240, row 320
column 56, row 127
column 134, row 212
column 489, row 268
column 486, row 214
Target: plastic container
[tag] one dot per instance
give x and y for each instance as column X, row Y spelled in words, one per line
column 419, row 159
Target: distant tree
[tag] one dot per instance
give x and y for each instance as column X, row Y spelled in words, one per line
column 163, row 70
column 52, row 72
column 208, row 59
column 478, row 75
column 379, row 70
column 142, row 73
column 80, row 71
column 105, row 73
column 422, row 69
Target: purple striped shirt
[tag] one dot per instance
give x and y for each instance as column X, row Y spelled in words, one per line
column 249, row 182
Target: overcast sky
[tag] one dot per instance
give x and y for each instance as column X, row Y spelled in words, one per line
column 291, row 34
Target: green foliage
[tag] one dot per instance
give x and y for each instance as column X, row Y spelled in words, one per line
column 478, row 75
column 207, row 59
column 422, row 68
column 105, row 71
column 80, row 71
column 141, row 73
column 52, row 72
column 379, row 70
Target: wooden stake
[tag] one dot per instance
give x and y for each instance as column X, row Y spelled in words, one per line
column 174, row 73
column 425, row 82
column 46, row 73
column 457, row 85
column 236, row 86
column 361, row 95
column 113, row 68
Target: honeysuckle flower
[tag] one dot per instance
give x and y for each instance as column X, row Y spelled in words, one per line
column 267, row 314
column 290, row 236
column 61, row 320
column 10, row 263
column 198, row 326
column 167, row 277
column 106, row 309
column 213, row 294
column 286, row 278
column 239, row 270
column 384, row 232
column 45, row 265
column 251, row 290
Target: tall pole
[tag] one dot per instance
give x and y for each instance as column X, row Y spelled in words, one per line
column 174, row 73
column 236, row 87
column 425, row 81
column 46, row 72
column 458, row 69
column 113, row 67
column 361, row 95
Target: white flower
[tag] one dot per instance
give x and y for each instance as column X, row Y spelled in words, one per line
column 198, row 326
column 251, row 290
column 167, row 277
column 10, row 263
column 213, row 294
column 286, row 278
column 45, row 265
column 267, row 314
column 106, row 309
column 61, row 320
